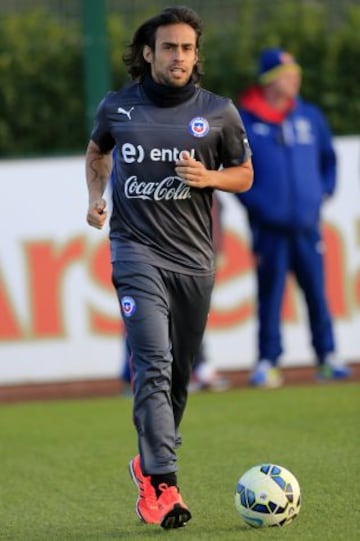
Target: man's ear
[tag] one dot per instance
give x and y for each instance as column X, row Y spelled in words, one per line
column 147, row 54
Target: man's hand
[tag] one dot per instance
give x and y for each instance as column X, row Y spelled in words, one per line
column 192, row 172
column 235, row 179
column 96, row 215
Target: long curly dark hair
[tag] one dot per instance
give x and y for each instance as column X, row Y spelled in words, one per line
column 133, row 58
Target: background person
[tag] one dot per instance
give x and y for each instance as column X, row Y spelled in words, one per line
column 170, row 137
column 294, row 173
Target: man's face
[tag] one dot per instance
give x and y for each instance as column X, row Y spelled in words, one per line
column 288, row 83
column 175, row 54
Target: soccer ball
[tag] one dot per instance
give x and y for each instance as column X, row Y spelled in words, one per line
column 267, row 495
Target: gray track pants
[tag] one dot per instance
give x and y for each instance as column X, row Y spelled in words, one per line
column 165, row 315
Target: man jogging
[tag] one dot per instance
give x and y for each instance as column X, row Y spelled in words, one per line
column 174, row 144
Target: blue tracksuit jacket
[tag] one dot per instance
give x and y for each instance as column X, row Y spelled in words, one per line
column 289, row 192
column 294, row 170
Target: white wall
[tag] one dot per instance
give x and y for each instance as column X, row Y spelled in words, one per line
column 58, row 312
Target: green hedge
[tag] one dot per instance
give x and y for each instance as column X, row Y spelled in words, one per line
column 41, row 91
column 42, row 108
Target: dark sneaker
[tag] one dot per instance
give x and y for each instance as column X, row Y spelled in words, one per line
column 146, row 508
column 174, row 513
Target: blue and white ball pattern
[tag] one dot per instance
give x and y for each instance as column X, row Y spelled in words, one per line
column 268, row 495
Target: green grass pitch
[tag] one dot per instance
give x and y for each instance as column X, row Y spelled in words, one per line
column 63, row 465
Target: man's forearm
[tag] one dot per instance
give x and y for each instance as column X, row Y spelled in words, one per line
column 98, row 170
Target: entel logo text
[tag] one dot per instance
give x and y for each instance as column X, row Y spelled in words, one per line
column 132, row 153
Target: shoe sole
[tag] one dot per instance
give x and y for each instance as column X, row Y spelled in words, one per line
column 177, row 517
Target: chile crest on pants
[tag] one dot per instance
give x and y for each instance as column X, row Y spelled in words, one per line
column 128, row 306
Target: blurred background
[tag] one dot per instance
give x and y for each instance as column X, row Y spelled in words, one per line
column 59, row 319
column 60, row 56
